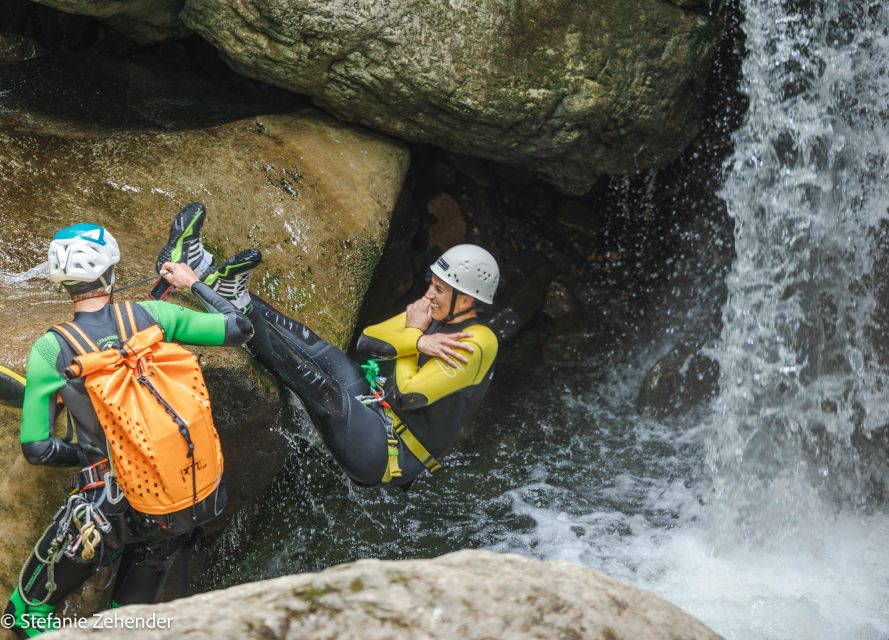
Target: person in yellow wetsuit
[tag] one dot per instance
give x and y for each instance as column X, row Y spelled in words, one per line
column 431, row 367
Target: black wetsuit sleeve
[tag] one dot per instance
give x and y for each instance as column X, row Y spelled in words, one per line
column 238, row 328
column 226, row 326
column 53, row 452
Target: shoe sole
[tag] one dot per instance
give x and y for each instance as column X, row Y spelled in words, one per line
column 173, row 250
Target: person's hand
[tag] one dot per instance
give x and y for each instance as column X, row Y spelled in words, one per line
column 419, row 314
column 445, row 346
column 178, row 274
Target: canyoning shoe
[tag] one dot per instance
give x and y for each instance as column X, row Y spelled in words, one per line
column 185, row 240
column 231, row 278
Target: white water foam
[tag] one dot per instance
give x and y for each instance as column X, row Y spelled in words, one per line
column 774, row 537
column 8, row 278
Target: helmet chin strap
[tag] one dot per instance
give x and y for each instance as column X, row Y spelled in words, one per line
column 451, row 315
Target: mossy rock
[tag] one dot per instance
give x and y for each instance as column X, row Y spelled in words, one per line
column 571, row 90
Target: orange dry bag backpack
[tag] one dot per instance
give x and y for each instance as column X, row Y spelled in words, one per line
column 152, row 403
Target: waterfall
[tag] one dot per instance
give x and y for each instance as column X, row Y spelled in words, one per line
column 807, row 188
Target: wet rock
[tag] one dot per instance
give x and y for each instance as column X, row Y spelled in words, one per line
column 694, row 5
column 18, row 48
column 468, row 594
column 523, row 304
column 571, row 90
column 571, row 348
column 475, row 169
column 559, row 302
column 144, row 21
column 449, row 226
column 679, row 382
column 576, row 217
column 315, row 195
column 437, row 174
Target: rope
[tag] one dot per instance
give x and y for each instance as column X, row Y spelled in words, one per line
column 137, row 283
column 54, row 556
column 89, row 534
column 90, row 523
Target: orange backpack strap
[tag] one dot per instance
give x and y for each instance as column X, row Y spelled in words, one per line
column 75, row 336
column 126, row 320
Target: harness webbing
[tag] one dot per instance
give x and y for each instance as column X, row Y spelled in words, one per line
column 395, row 430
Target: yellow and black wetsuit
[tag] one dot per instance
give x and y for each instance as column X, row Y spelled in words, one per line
column 432, row 399
column 12, row 388
column 429, row 398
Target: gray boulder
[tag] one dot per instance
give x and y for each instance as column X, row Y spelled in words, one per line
column 571, row 90
column 468, row 594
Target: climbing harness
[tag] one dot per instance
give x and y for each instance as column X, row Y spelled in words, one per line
column 90, row 477
column 395, row 428
column 372, row 373
column 80, row 524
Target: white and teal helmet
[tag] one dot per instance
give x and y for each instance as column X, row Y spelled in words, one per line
column 82, row 257
column 470, row 270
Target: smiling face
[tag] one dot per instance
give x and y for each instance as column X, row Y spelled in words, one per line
column 439, row 294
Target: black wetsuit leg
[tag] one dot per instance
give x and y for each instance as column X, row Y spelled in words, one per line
column 145, row 559
column 144, row 569
column 327, row 382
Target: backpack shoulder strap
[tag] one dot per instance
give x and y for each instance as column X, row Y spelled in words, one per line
column 75, row 336
column 126, row 320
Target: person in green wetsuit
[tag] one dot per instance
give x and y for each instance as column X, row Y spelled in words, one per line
column 82, row 258
column 434, row 363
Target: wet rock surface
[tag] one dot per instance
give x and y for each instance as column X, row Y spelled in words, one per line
column 469, row 594
column 142, row 20
column 15, row 47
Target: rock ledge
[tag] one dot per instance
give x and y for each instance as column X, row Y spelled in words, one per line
column 468, row 594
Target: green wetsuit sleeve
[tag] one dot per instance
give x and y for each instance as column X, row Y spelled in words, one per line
column 417, row 387
column 186, row 325
column 43, row 382
column 388, row 339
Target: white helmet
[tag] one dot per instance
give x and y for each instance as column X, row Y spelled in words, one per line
column 83, row 253
column 470, row 270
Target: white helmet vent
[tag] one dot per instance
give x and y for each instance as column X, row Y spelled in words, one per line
column 82, row 253
column 474, row 271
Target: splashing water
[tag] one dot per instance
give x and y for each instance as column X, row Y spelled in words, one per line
column 789, row 540
column 807, row 189
column 779, row 534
